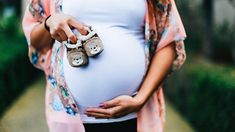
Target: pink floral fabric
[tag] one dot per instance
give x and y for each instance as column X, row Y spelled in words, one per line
column 61, row 111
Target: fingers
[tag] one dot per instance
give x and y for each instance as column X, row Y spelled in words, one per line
column 63, row 36
column 104, row 113
column 59, row 36
column 56, row 37
column 98, row 110
column 97, row 115
column 60, row 27
column 81, row 28
column 110, row 103
column 114, row 108
column 70, row 35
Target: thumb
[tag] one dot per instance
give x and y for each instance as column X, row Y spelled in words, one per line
column 111, row 103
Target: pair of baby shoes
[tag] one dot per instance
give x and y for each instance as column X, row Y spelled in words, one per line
column 88, row 45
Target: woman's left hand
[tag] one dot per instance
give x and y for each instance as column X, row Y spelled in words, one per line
column 115, row 108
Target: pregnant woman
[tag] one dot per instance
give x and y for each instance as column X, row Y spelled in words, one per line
column 120, row 89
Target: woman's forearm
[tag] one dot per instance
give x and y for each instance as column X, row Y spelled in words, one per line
column 60, row 29
column 158, row 70
column 121, row 105
column 40, row 38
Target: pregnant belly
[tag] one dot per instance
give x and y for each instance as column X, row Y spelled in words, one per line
column 118, row 70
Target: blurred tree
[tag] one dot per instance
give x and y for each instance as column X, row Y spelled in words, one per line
column 232, row 2
column 1, row 8
column 233, row 48
column 208, row 18
column 12, row 7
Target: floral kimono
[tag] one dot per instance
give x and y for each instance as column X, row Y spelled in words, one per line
column 62, row 113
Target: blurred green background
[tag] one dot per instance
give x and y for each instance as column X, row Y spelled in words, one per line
column 203, row 91
column 16, row 72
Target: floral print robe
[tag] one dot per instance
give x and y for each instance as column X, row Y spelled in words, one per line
column 61, row 111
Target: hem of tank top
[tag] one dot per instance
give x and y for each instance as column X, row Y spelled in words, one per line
column 110, row 120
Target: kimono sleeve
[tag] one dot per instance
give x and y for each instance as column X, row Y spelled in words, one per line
column 35, row 13
column 174, row 33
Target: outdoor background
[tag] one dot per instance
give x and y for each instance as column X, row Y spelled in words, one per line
column 200, row 97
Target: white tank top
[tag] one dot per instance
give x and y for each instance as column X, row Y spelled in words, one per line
column 119, row 69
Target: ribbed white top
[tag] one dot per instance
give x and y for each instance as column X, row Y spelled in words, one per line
column 119, row 69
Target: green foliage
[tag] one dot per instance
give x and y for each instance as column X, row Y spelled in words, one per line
column 193, row 22
column 204, row 93
column 9, row 26
column 16, row 72
column 11, row 39
column 224, row 43
column 221, row 37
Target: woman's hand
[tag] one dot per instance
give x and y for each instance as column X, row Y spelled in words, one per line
column 60, row 27
column 115, row 108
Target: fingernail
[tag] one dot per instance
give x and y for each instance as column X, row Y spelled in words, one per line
column 101, row 105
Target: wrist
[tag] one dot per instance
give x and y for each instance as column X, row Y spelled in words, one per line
column 140, row 101
column 46, row 26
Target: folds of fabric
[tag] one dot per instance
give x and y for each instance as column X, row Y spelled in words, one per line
column 168, row 30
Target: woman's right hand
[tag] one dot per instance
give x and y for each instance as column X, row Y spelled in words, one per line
column 60, row 26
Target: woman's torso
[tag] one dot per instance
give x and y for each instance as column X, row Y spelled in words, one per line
column 119, row 69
